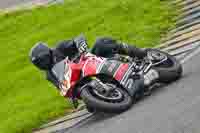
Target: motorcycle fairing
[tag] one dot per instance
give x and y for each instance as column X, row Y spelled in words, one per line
column 114, row 68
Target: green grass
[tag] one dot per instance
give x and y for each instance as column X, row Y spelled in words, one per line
column 26, row 98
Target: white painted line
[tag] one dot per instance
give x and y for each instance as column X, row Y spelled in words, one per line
column 64, row 124
column 181, row 56
column 188, row 7
column 186, row 48
column 76, row 115
column 195, row 52
column 179, row 33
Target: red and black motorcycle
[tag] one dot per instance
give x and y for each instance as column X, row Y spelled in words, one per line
column 112, row 84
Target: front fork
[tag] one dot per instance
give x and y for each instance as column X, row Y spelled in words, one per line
column 95, row 84
column 75, row 103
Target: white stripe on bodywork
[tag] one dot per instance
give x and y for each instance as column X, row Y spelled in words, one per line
column 117, row 70
column 101, row 65
column 84, row 68
column 127, row 73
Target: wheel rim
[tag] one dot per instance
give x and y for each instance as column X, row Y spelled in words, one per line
column 114, row 95
column 157, row 57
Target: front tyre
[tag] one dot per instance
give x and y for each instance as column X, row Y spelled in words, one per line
column 117, row 102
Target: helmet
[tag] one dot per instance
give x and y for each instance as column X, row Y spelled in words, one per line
column 41, row 56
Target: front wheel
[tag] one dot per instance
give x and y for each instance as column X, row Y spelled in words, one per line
column 117, row 101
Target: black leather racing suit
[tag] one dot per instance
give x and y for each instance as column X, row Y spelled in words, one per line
column 105, row 47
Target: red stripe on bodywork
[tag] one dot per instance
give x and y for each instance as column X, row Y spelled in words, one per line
column 121, row 71
column 90, row 67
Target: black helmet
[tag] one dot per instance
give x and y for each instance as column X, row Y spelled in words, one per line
column 41, row 56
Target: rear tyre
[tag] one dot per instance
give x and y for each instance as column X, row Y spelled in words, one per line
column 169, row 70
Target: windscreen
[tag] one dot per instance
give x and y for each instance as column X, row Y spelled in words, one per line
column 63, row 73
column 59, row 70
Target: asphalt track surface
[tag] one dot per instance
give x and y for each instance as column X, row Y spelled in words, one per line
column 9, row 3
column 171, row 109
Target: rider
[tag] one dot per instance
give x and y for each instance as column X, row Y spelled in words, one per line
column 104, row 47
column 44, row 57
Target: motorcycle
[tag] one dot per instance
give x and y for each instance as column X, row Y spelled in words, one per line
column 113, row 84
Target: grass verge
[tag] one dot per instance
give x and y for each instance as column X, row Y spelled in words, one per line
column 26, row 98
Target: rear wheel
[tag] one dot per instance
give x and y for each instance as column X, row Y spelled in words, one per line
column 169, row 69
column 118, row 100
